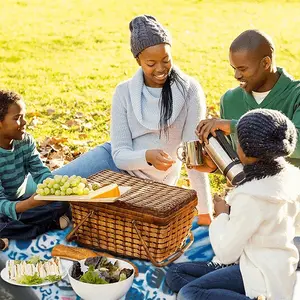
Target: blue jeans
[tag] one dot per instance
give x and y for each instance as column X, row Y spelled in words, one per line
column 89, row 163
column 33, row 222
column 206, row 280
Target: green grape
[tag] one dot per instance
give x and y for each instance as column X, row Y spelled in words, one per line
column 81, row 185
column 40, row 191
column 74, row 183
column 46, row 191
column 56, row 186
column 75, row 190
column 50, row 185
column 47, row 180
column 72, row 177
column 57, row 193
column 40, row 186
column 62, row 193
column 52, row 191
column 86, row 191
column 95, row 186
column 84, row 180
column 79, row 191
column 67, row 184
column 57, row 178
column 63, row 188
column 69, row 191
column 65, row 178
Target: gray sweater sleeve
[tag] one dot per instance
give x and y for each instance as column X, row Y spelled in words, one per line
column 123, row 154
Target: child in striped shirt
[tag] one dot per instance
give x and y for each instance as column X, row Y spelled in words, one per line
column 22, row 217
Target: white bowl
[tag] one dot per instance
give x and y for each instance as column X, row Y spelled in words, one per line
column 110, row 291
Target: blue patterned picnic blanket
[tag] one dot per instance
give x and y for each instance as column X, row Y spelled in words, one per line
column 149, row 285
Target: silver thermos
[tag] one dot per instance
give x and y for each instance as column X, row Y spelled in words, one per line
column 226, row 159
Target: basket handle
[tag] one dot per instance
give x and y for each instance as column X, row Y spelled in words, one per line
column 73, row 231
column 172, row 257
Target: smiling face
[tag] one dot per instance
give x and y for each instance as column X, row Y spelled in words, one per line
column 156, row 62
column 12, row 127
column 250, row 70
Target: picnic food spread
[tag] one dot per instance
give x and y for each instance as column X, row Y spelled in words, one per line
column 100, row 271
column 64, row 187
column 34, row 270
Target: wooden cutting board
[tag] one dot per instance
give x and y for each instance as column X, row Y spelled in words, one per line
column 83, row 198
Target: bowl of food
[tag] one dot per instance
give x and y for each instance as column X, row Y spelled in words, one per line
column 109, row 277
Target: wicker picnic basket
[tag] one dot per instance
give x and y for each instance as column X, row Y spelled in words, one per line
column 151, row 221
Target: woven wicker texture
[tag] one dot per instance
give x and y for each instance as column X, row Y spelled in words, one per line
column 147, row 196
column 163, row 227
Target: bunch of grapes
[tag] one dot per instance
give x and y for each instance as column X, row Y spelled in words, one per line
column 65, row 186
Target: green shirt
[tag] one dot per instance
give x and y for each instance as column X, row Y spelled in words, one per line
column 284, row 96
column 15, row 165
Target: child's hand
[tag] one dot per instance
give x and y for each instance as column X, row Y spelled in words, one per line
column 29, row 203
column 220, row 206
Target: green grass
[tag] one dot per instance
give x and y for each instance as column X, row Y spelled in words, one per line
column 69, row 55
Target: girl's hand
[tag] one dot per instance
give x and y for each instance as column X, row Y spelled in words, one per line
column 220, row 206
column 159, row 159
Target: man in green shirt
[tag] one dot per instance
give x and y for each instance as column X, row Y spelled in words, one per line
column 262, row 85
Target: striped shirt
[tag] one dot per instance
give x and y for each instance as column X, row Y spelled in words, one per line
column 15, row 165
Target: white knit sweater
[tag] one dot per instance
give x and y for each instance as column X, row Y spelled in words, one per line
column 135, row 129
column 259, row 232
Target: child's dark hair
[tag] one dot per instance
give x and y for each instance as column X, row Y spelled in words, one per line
column 7, row 98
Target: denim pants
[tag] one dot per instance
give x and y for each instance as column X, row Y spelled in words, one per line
column 206, row 280
column 33, row 222
column 89, row 163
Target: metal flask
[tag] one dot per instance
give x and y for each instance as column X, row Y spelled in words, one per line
column 226, row 159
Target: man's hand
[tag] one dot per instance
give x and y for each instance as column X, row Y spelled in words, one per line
column 220, row 206
column 159, row 159
column 205, row 127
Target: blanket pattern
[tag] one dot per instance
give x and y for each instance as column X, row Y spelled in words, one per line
column 149, row 285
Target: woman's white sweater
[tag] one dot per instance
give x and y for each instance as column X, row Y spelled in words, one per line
column 135, row 129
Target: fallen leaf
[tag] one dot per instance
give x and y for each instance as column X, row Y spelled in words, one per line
column 50, row 111
column 78, row 115
column 82, row 136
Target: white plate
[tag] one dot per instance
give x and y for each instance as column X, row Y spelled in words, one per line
column 4, row 276
column 86, row 198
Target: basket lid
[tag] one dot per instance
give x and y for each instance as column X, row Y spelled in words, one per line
column 146, row 196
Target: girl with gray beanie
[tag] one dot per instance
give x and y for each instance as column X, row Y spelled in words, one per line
column 152, row 114
column 255, row 257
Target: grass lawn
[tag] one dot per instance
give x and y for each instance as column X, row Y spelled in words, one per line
column 66, row 56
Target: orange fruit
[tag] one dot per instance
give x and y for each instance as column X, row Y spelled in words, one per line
column 108, row 191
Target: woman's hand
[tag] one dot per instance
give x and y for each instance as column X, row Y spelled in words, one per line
column 159, row 159
column 208, row 126
column 220, row 206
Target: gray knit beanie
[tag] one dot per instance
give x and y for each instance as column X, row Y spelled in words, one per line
column 266, row 133
column 146, row 32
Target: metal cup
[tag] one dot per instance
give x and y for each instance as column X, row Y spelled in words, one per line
column 191, row 153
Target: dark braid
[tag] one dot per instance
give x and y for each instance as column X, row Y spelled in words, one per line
column 166, row 100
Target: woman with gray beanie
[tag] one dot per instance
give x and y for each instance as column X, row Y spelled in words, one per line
column 255, row 257
column 152, row 114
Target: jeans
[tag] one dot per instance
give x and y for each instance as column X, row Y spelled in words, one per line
column 206, row 280
column 89, row 163
column 33, row 222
